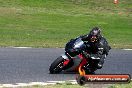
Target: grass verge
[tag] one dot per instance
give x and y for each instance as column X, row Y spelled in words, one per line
column 129, row 85
column 51, row 23
column 69, row 85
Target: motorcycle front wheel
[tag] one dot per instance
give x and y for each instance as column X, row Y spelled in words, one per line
column 56, row 66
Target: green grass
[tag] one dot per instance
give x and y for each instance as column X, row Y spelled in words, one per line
column 51, row 23
column 129, row 85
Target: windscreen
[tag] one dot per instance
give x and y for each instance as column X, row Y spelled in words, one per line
column 78, row 43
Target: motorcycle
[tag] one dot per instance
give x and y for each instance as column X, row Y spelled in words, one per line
column 73, row 59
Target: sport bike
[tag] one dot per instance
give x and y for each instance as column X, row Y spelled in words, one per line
column 74, row 59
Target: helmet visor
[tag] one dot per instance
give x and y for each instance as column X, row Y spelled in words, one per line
column 93, row 39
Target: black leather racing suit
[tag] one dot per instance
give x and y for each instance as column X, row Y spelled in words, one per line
column 98, row 50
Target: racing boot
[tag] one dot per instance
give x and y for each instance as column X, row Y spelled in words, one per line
column 100, row 63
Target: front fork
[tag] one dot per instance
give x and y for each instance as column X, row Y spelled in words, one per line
column 66, row 59
column 68, row 62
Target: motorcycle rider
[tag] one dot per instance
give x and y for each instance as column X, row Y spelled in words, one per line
column 97, row 46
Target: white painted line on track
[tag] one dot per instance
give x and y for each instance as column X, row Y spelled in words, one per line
column 35, row 83
column 55, row 81
column 22, row 47
column 127, row 49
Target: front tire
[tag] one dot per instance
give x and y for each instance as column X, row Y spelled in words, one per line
column 56, row 66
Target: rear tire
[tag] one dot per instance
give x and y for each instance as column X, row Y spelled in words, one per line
column 81, row 80
column 56, row 66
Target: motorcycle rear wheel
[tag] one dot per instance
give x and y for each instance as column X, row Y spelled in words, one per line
column 81, row 80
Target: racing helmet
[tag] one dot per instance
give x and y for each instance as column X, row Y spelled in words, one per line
column 94, row 35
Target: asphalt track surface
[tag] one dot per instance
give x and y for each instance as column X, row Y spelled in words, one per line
column 32, row 64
